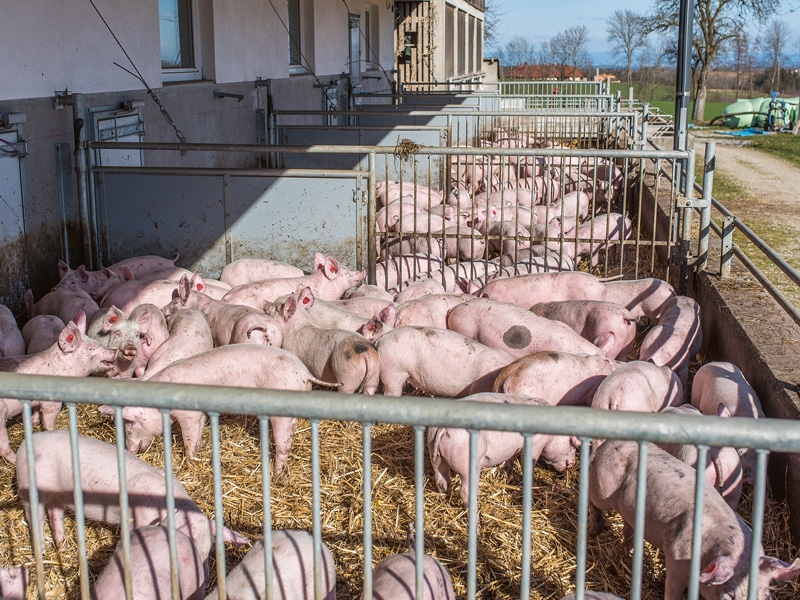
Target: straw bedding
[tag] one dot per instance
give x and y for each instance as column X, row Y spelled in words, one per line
column 554, row 512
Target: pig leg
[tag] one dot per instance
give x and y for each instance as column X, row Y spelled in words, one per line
column 5, row 446
column 283, row 429
column 192, row 423
column 49, row 412
column 675, row 583
column 393, row 382
column 596, row 522
column 627, row 537
column 56, row 515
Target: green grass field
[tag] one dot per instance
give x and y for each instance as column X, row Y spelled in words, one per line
column 663, row 97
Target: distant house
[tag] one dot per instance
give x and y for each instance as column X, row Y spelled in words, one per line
column 544, row 72
column 439, row 40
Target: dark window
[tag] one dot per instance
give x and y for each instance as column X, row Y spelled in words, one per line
column 175, row 25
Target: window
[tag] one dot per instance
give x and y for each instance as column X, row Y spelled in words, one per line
column 179, row 49
column 369, row 30
column 293, row 17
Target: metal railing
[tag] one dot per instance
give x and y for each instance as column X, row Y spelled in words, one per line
column 512, row 88
column 584, row 423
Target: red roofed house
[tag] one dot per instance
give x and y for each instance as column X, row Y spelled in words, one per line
column 545, row 72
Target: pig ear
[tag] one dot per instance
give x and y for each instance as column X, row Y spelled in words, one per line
column 70, row 338
column 197, row 283
column 388, row 315
column 106, row 410
column 306, row 297
column 371, row 328
column 718, row 571
column 145, row 322
column 63, row 269
column 126, row 273
column 319, row 261
column 105, row 271
column 82, row 272
column 80, row 321
column 289, row 308
column 574, row 441
column 184, row 288
column 449, row 212
column 131, row 413
column 29, row 302
column 777, row 569
column 723, row 411
column 111, row 318
column 228, row 535
column 331, row 267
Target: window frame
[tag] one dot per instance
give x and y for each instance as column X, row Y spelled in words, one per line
column 297, row 68
column 195, row 72
column 372, row 53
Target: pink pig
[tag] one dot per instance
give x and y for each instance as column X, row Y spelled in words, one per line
column 328, row 282
column 64, row 304
column 41, row 332
column 640, row 387
column 247, row 270
column 189, row 334
column 12, row 342
column 669, row 506
column 607, row 325
column 515, row 330
column 642, row 297
column 449, row 447
column 676, row 338
column 73, row 355
column 527, row 290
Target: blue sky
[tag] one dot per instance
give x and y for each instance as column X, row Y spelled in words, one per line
column 538, row 21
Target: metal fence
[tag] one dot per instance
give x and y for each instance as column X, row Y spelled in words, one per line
column 511, row 88
column 489, row 101
column 587, row 424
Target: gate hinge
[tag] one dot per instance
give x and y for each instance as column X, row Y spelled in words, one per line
column 683, row 202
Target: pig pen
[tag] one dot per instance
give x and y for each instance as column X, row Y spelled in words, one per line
column 484, row 549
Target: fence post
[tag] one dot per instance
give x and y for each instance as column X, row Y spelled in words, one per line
column 709, row 163
column 645, row 116
column 686, row 232
column 727, row 246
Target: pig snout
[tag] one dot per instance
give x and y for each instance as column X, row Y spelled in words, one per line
column 130, row 351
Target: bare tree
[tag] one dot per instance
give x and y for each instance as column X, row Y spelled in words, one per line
column 519, row 51
column 568, row 49
column 626, row 34
column 492, row 17
column 651, row 57
column 743, row 62
column 773, row 42
column 716, row 23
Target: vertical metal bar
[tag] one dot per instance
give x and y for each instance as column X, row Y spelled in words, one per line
column 583, row 519
column 77, row 489
column 33, row 498
column 645, row 116
column 125, row 524
column 366, row 443
column 472, row 544
column 638, row 531
column 166, row 423
column 686, row 234
column 419, row 516
column 709, row 164
column 216, row 468
column 79, row 125
column 527, row 498
column 266, row 503
column 317, row 533
column 759, row 493
column 98, row 245
column 683, row 75
column 697, row 531
column 226, row 207
column 727, row 246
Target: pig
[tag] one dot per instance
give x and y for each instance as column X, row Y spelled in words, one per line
column 607, row 325
column 530, row 254
column 515, row 330
column 128, row 295
column 113, row 329
column 640, row 387
column 534, row 265
column 448, row 447
column 676, row 338
column 12, row 342
column 423, row 197
column 150, row 567
column 100, row 484
column 556, row 377
column 366, row 290
column 333, row 354
column 13, row 582
column 669, row 507
column 419, row 289
column 293, row 570
column 248, row 270
column 73, row 355
column 153, row 333
column 507, row 237
column 420, row 222
column 402, row 245
column 41, row 332
column 331, row 316
column 64, row 304
column 88, row 281
column 366, row 306
column 527, row 290
column 573, row 204
column 387, row 217
column 642, row 297
column 402, row 268
column 396, row 576
column 328, row 282
column 600, row 232
column 248, row 365
column 143, row 264
column 723, row 467
column 189, row 334
column 229, row 323
column 436, row 361
column 720, row 388
column 112, row 279
column 429, row 311
column 469, row 245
